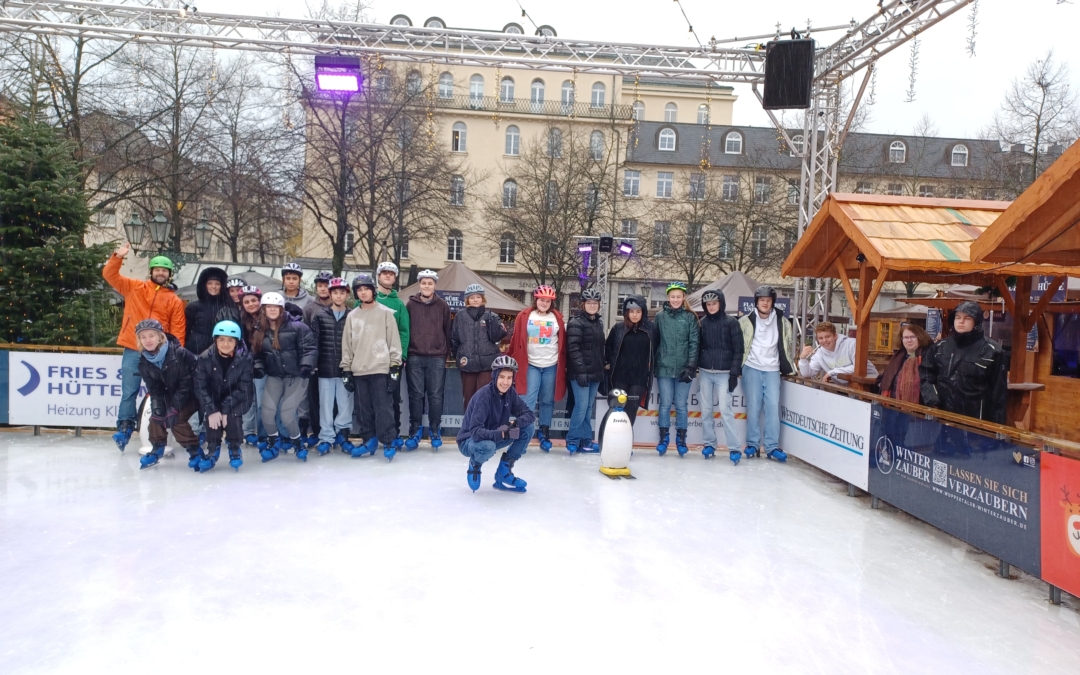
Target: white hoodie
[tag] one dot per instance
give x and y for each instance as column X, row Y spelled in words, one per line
column 839, row 361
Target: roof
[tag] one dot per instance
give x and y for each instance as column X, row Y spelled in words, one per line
column 1041, row 226
column 906, row 238
column 733, row 286
column 456, row 277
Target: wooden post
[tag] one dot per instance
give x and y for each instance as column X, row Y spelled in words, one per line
column 1020, row 330
column 862, row 327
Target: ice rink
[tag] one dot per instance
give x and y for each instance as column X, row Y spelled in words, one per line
column 349, row 565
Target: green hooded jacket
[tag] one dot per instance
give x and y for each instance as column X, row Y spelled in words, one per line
column 392, row 301
column 677, row 347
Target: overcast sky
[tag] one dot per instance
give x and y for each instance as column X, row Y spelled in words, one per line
column 959, row 92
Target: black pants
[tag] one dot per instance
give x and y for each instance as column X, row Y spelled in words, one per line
column 313, row 404
column 395, row 400
column 426, row 377
column 233, row 431
column 372, row 408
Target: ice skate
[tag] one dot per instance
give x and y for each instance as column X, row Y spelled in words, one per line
column 544, row 435
column 708, row 452
column 413, row 441
column 151, row 458
column 301, row 449
column 268, row 448
column 235, row 457
column 252, row 440
column 389, row 450
column 473, row 475
column 665, row 435
column 194, row 455
column 210, row 459
column 368, row 448
column 123, row 434
column 571, row 448
column 735, row 456
column 505, row 479
column 436, row 439
column 752, row 451
column 589, row 448
column 777, row 454
column 322, row 448
column 680, row 442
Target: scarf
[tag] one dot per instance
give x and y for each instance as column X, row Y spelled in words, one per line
column 157, row 359
column 476, row 312
column 906, row 387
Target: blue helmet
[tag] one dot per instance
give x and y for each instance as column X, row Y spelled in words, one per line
column 228, row 329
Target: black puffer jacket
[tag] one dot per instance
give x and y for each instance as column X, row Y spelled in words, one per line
column 297, row 349
column 327, row 331
column 585, row 347
column 721, row 344
column 966, row 374
column 172, row 385
column 230, row 311
column 476, row 339
column 202, row 315
column 618, row 371
column 224, row 385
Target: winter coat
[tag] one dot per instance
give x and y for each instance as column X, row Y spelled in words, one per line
column 585, row 347
column 229, row 391
column 680, row 336
column 230, row 311
column 327, row 330
column 370, row 341
column 143, row 299
column 170, row 387
column 297, row 349
column 519, row 350
column 202, row 314
column 401, row 316
column 302, row 299
column 966, row 374
column 476, row 340
column 887, row 379
column 429, row 326
column 316, row 305
column 489, row 409
column 721, row 342
column 748, row 324
column 613, row 349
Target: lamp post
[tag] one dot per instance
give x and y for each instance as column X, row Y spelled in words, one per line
column 160, row 229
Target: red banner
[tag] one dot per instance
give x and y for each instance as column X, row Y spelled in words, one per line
column 1060, row 490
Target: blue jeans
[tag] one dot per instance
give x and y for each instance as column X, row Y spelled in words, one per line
column 672, row 389
column 542, row 383
column 713, row 390
column 332, row 390
column 581, row 430
column 482, row 451
column 130, row 382
column 762, row 391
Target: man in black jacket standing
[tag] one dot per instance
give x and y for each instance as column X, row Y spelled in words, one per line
column 584, row 369
column 719, row 365
column 327, row 325
column 966, row 373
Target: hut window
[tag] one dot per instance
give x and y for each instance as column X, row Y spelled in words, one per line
column 1066, row 345
column 884, row 336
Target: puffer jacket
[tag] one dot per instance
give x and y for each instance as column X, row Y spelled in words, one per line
column 966, row 374
column 585, row 347
column 721, row 342
column 172, row 385
column 231, row 311
column 476, row 339
column 680, row 336
column 327, row 331
column 202, row 315
column 228, row 390
column 297, row 350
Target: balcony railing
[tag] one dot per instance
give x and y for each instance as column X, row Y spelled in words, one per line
column 520, row 106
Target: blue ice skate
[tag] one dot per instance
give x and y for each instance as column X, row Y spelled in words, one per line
column 543, row 434
column 473, row 475
column 436, row 439
column 268, row 448
column 589, row 448
column 153, row 457
column 734, row 456
column 123, row 433
column 777, row 454
column 752, row 451
column 301, row 449
column 389, row 450
column 413, row 441
column 708, row 452
column 571, row 447
column 252, row 440
column 368, row 448
column 322, row 448
column 505, row 479
column 665, row 436
column 194, row 455
column 235, row 457
column 209, row 459
column 680, row 442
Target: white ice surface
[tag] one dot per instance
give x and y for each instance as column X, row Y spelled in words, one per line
column 348, row 565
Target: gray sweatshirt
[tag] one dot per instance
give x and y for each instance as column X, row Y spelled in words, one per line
column 370, row 343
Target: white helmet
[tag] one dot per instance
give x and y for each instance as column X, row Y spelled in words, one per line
column 386, row 267
column 276, row 299
column 428, row 274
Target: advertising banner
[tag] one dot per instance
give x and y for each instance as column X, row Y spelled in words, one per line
column 647, row 431
column 1061, row 521
column 66, row 390
column 455, row 299
column 829, row 431
column 978, row 489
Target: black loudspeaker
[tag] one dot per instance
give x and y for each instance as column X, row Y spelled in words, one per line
column 413, row 271
column 607, row 242
column 789, row 74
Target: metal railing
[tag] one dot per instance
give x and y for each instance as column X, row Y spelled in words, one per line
column 520, row 106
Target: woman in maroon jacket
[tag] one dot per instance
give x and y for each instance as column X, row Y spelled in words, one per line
column 900, row 379
column 539, row 345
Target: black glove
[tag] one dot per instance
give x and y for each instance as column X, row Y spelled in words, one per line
column 514, row 433
column 395, row 373
column 258, row 371
column 687, row 375
column 171, row 418
column 732, row 382
column 346, row 379
column 305, row 372
column 582, row 380
column 504, row 431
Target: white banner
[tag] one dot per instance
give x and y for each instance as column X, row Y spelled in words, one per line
column 827, row 430
column 647, row 431
column 64, row 390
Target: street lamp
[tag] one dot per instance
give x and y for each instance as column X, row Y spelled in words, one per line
column 203, row 234
column 159, row 228
column 135, row 229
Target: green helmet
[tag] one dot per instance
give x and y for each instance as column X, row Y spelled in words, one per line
column 676, row 286
column 162, row 261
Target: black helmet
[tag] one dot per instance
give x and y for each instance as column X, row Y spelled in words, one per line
column 590, row 294
column 324, row 277
column 363, row 279
column 765, row 292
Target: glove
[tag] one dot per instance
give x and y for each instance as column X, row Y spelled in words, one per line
column 171, row 418
column 214, row 420
column 504, row 431
column 346, row 379
column 732, row 382
column 395, row 373
column 687, row 375
column 258, row 371
column 582, row 380
column 514, row 433
column 305, row 372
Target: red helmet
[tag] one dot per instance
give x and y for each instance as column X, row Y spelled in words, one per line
column 544, row 292
column 338, row 282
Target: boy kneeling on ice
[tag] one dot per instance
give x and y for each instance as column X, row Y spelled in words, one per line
column 225, row 388
column 166, row 369
column 487, row 427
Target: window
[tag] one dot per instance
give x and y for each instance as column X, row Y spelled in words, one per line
column 703, row 114
column 631, row 186
column 697, row 186
column 596, row 145
column 350, row 241
column 476, row 88
column 960, row 155
column 457, row 191
column 510, row 192
column 383, row 83
column 629, row 228
column 897, row 152
column 413, row 83
column 989, row 194
column 733, row 143
column 1066, row 360
column 513, row 140
column 567, row 93
column 665, row 181
column 895, row 189
column 446, row 85
column 727, row 242
column 926, row 190
column 863, row 187
column 637, row 111
column 798, row 143
column 403, row 243
column 884, row 337
column 762, row 189
column 758, row 238
column 454, row 245
column 599, row 92
column 671, row 113
column 693, row 240
column 661, row 238
column 790, row 239
column 506, row 90
column 667, row 139
column 554, row 147
column 457, row 137
column 729, row 192
column 536, row 93
column 957, row 192
column 507, row 244
column 106, row 217
column 792, row 192
column 551, row 197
